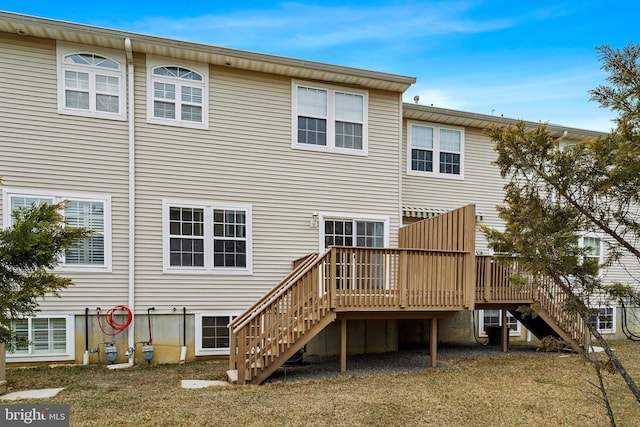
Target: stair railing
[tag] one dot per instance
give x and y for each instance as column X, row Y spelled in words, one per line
column 494, row 278
column 268, row 329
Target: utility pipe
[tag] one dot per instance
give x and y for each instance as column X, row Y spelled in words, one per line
column 183, row 350
column 132, row 192
column 85, row 357
column 149, row 321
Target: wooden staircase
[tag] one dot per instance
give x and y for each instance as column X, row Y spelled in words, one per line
column 435, row 271
column 281, row 322
column 540, row 294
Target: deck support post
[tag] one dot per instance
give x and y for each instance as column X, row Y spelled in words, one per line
column 505, row 331
column 433, row 342
column 343, row 345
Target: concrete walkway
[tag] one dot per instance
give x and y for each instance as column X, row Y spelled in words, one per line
column 32, row 394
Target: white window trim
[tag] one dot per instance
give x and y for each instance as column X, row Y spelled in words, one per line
column 208, row 207
column 200, row 351
column 65, row 48
column 613, row 320
column 59, row 196
column 512, row 333
column 200, row 68
column 593, row 236
column 436, row 151
column 68, row 355
column 330, row 147
column 322, row 216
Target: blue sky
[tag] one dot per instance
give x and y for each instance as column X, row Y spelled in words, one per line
column 532, row 60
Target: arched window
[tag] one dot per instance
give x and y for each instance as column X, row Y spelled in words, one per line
column 92, row 84
column 178, row 94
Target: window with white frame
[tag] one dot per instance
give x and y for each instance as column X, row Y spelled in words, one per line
column 91, row 81
column 435, row 150
column 177, row 93
column 594, row 247
column 341, row 231
column 207, row 237
column 49, row 337
column 604, row 320
column 494, row 318
column 81, row 210
column 329, row 119
column 212, row 333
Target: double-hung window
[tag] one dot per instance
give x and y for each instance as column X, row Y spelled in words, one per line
column 435, row 151
column 594, row 247
column 329, row 119
column 207, row 237
column 177, row 93
column 81, row 210
column 47, row 337
column 91, row 82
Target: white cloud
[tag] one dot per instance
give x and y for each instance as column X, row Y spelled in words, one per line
column 308, row 26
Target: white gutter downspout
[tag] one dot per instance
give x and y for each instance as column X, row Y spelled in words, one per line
column 401, row 170
column 132, row 196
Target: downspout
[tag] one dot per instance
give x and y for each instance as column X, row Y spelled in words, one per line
column 400, row 170
column 132, row 195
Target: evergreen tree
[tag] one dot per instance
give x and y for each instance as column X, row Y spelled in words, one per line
column 556, row 194
column 29, row 250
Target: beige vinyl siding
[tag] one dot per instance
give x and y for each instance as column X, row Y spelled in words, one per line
column 46, row 151
column 246, row 157
column 482, row 184
column 625, row 271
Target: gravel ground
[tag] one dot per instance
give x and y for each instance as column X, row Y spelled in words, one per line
column 403, row 361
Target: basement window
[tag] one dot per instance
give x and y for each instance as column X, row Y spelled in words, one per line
column 212, row 333
column 494, row 318
column 604, row 320
column 51, row 338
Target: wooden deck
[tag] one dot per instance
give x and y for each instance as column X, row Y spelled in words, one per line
column 434, row 274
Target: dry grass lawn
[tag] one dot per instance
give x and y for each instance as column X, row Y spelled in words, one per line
column 521, row 389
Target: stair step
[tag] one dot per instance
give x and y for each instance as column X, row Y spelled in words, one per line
column 232, row 376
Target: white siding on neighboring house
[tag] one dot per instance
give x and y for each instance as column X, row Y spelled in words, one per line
column 482, row 184
column 60, row 154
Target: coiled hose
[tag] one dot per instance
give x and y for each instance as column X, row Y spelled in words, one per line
column 113, row 323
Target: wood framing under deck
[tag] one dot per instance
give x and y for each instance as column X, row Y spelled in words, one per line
column 433, row 317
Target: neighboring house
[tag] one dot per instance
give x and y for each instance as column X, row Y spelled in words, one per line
column 206, row 172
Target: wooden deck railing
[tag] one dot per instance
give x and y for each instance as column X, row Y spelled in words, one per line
column 494, row 284
column 494, row 281
column 372, row 279
column 343, row 279
column 433, row 272
column 453, row 231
